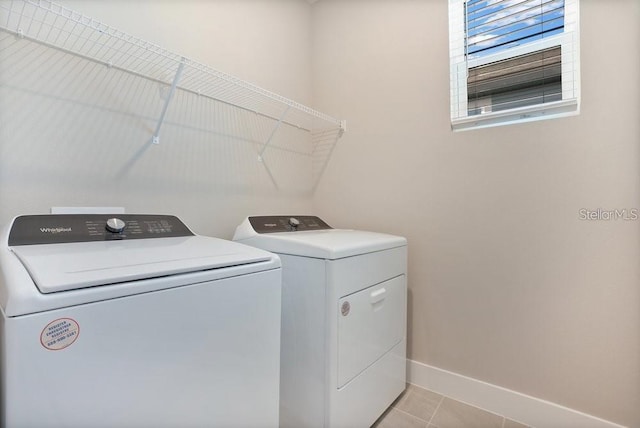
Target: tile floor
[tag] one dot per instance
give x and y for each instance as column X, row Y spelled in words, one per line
column 420, row 408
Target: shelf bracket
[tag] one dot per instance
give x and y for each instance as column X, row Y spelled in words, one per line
column 275, row 129
column 341, row 130
column 156, row 135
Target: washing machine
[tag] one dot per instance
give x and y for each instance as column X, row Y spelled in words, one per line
column 135, row 321
column 343, row 343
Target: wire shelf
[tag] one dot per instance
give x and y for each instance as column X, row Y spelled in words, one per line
column 57, row 27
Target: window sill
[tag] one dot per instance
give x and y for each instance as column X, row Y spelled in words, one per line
column 551, row 110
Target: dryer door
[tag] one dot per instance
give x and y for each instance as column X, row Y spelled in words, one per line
column 370, row 323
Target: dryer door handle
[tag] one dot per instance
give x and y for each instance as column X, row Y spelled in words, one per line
column 378, row 295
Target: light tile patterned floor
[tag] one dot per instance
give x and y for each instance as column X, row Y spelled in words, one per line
column 420, row 408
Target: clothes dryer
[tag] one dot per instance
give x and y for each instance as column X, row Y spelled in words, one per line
column 343, row 352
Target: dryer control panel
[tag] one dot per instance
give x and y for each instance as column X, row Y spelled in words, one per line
column 66, row 228
column 286, row 223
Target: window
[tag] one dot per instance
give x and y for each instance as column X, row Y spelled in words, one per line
column 513, row 61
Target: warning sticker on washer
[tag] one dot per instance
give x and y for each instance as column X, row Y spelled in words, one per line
column 59, row 334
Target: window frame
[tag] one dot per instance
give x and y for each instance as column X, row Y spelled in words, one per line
column 568, row 41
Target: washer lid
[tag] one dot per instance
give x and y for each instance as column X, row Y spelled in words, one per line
column 70, row 266
column 328, row 244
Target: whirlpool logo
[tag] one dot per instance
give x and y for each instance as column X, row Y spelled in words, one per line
column 54, row 230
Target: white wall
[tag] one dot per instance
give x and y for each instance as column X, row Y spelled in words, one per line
column 76, row 134
column 507, row 284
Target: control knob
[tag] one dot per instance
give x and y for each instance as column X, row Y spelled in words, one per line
column 115, row 225
column 294, row 222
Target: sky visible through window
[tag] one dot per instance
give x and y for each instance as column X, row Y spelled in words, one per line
column 496, row 25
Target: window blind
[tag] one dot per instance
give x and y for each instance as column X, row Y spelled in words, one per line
column 492, row 26
column 512, row 60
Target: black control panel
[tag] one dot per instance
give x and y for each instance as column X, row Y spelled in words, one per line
column 285, row 223
column 65, row 228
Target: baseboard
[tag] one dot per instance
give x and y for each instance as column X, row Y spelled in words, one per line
column 511, row 404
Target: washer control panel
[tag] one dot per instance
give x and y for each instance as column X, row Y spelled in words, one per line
column 287, row 223
column 65, row 228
